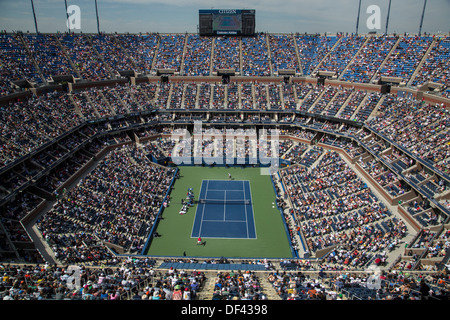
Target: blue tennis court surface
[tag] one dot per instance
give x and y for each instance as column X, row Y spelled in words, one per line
column 224, row 210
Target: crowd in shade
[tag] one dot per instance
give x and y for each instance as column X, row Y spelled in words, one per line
column 16, row 63
column 111, row 52
column 140, row 48
column 86, row 61
column 48, row 55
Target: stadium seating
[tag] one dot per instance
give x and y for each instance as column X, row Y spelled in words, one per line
column 406, row 57
column 170, row 52
column 127, row 226
column 140, row 48
column 254, row 56
column 283, row 53
column 226, row 54
column 198, row 56
column 343, row 54
column 369, row 58
column 339, row 133
column 111, row 52
column 312, row 49
column 17, row 64
column 49, row 55
column 436, row 66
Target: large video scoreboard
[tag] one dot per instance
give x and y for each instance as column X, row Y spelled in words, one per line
column 226, row 22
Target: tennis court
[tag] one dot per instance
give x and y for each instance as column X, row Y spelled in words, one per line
column 224, row 210
column 263, row 218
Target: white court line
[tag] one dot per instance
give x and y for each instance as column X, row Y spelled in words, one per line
column 226, row 190
column 243, row 221
column 245, row 206
column 225, row 206
column 253, row 210
column 235, row 221
column 203, row 210
column 221, row 201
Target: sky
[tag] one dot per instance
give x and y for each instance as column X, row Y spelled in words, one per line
column 180, row 16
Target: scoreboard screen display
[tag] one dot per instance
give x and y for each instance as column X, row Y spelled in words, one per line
column 226, row 22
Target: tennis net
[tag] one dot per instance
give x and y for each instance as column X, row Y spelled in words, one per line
column 222, row 201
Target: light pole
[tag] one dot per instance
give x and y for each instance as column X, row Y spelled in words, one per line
column 67, row 16
column 96, row 12
column 421, row 19
column 357, row 19
column 34, row 15
column 387, row 19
